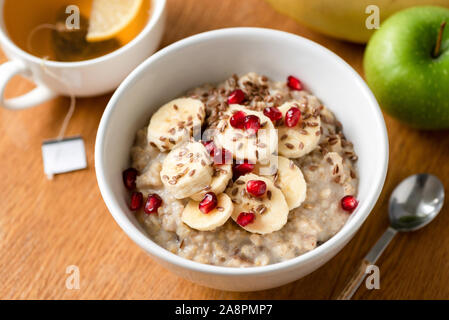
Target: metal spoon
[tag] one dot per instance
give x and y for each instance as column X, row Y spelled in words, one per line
column 413, row 204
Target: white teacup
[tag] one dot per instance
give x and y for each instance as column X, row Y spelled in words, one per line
column 84, row 78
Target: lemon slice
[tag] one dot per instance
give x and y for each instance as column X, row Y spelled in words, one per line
column 109, row 17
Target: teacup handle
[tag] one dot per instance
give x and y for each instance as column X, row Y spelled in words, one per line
column 36, row 96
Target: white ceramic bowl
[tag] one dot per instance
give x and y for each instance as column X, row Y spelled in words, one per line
column 212, row 57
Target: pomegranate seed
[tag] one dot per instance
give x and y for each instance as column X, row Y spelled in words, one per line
column 220, row 156
column 273, row 113
column 153, row 203
column 241, row 169
column 210, row 147
column 349, row 203
column 292, row 117
column 252, row 124
column 129, row 178
column 294, row 83
column 236, row 97
column 256, row 188
column 245, row 218
column 208, row 203
column 136, row 201
column 237, row 120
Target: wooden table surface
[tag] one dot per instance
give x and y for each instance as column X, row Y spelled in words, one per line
column 46, row 226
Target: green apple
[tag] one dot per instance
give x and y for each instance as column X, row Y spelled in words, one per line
column 406, row 65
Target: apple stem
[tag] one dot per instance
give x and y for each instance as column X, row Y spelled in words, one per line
column 436, row 52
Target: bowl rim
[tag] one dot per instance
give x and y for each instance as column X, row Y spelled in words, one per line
column 337, row 241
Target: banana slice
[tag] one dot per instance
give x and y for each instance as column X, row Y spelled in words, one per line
column 187, row 170
column 220, row 178
column 242, row 144
column 175, row 122
column 194, row 218
column 288, row 177
column 298, row 141
column 271, row 210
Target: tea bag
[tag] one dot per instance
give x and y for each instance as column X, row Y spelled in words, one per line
column 63, row 155
column 71, row 45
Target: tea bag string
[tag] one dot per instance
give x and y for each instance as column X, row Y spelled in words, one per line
column 36, row 29
column 72, row 105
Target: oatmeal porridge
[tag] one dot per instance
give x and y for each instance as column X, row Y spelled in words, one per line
column 246, row 173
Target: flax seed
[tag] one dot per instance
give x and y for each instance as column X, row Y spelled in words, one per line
column 335, row 170
column 260, row 208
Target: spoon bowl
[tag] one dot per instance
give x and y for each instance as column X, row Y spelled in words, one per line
column 415, row 202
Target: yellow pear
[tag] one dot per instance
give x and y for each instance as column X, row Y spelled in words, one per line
column 345, row 19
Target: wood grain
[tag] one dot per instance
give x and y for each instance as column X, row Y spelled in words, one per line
column 46, row 226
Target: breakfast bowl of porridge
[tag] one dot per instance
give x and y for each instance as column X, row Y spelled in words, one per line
column 242, row 159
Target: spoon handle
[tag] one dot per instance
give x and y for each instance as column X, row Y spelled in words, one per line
column 371, row 258
column 354, row 283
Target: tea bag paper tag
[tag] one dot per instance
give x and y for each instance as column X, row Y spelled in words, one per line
column 65, row 155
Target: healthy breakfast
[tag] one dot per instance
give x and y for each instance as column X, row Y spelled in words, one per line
column 248, row 172
column 238, row 158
